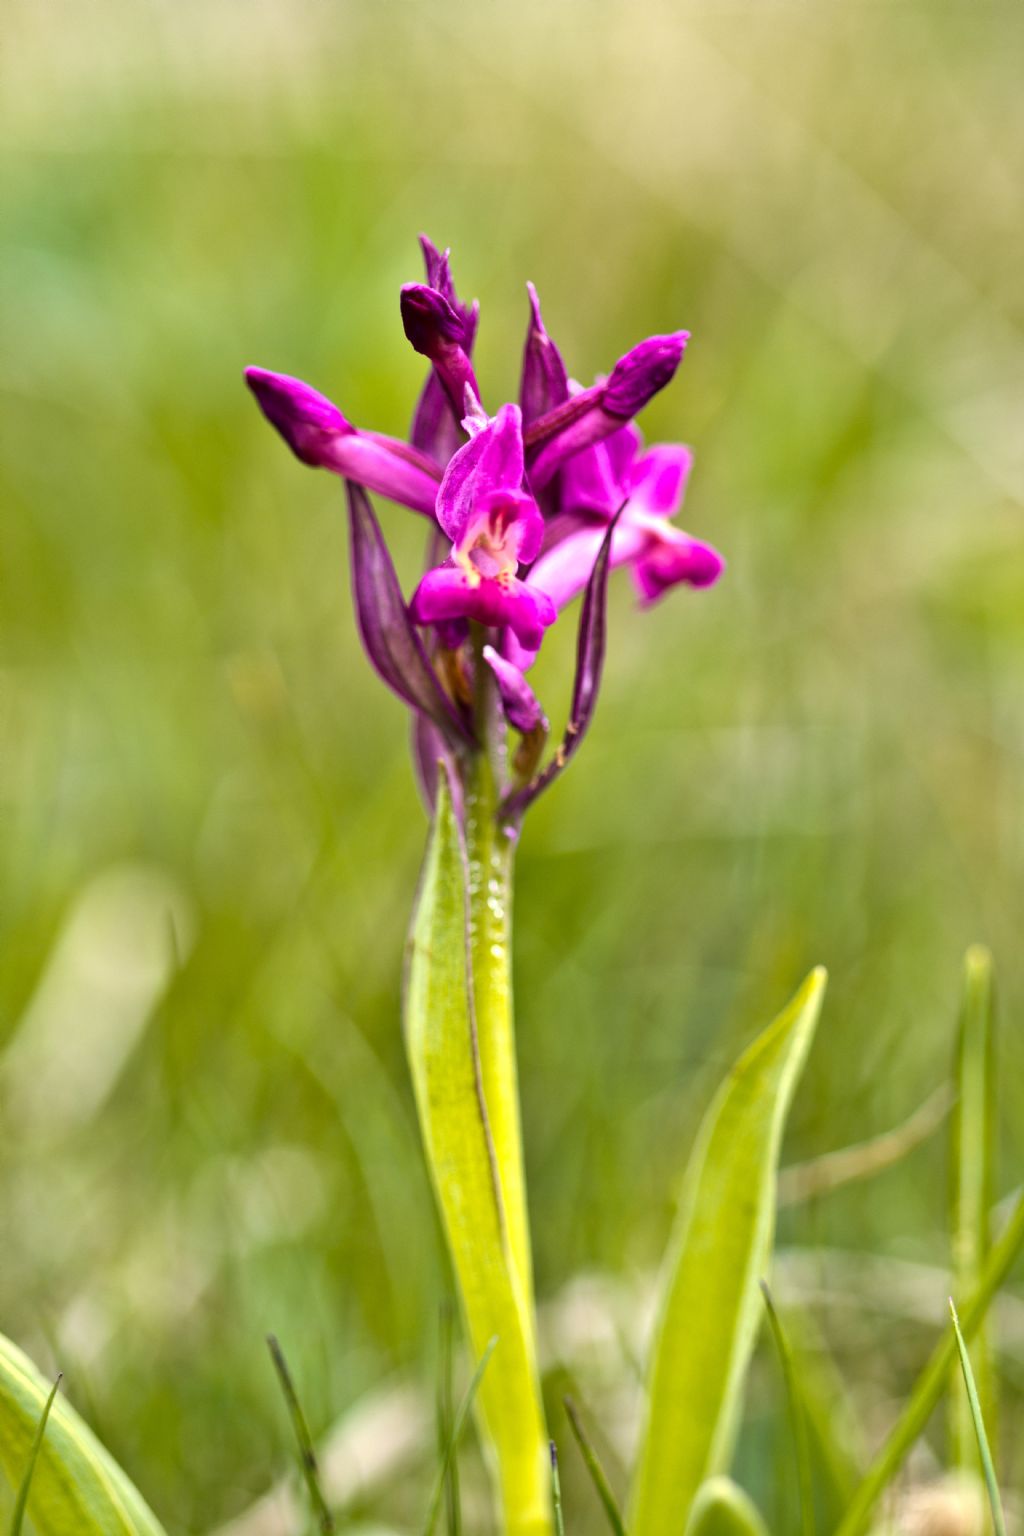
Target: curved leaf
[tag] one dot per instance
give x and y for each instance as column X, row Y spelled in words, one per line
column 711, row 1304
column 77, row 1488
column 721, row 1508
column 444, row 1058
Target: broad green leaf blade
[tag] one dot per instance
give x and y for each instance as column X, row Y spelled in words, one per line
column 77, row 1488
column 711, row 1305
column 973, row 1183
column 441, row 1044
column 721, row 1508
column 933, row 1380
column 984, row 1450
column 21, row 1502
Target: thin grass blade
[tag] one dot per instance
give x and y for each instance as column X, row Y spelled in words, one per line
column 556, row 1492
column 594, row 1467
column 801, row 1444
column 303, row 1440
column 458, row 1425
column 933, row 1380
column 446, row 1419
column 984, row 1449
column 18, row 1516
column 972, row 1189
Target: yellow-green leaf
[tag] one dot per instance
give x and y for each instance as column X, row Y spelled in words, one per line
column 721, row 1508
column 448, row 1084
column 711, row 1305
column 77, row 1488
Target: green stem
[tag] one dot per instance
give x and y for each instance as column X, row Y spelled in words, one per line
column 489, row 856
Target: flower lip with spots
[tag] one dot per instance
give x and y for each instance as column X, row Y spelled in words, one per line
column 495, row 528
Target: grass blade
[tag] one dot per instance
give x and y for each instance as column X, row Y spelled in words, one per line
column 801, row 1444
column 303, row 1439
column 933, row 1380
column 711, row 1308
column 556, row 1492
column 972, row 1188
column 456, row 1435
column 26, row 1483
column 984, row 1450
column 445, row 1420
column 594, row 1467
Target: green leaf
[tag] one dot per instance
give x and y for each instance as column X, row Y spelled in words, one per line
column 721, row 1508
column 933, row 1380
column 972, row 1186
column 77, row 1488
column 984, row 1450
column 711, row 1305
column 441, row 1042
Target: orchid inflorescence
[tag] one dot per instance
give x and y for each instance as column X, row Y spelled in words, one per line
column 535, row 503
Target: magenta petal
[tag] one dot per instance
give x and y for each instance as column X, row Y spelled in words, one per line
column 387, row 632
column 449, row 592
column 668, row 561
column 492, row 460
column 545, row 382
column 658, row 478
column 518, row 699
column 318, row 434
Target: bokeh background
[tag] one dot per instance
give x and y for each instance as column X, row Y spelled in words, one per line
column 210, row 830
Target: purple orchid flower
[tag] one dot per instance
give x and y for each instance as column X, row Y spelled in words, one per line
column 495, row 528
column 536, row 504
column 648, row 487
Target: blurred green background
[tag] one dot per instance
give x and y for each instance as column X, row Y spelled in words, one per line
column 210, row 830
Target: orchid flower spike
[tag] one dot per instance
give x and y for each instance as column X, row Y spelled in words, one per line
column 528, row 507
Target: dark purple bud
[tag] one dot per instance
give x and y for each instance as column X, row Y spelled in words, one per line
column 306, row 419
column 590, row 651
column 545, row 382
column 637, row 377
column 392, row 642
column 318, row 434
column 436, row 423
column 596, row 413
column 437, row 331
